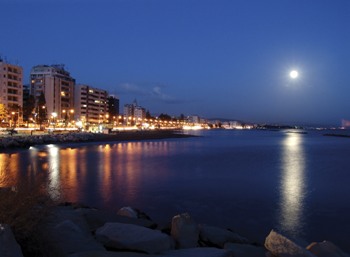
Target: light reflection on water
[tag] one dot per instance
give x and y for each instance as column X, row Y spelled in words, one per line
column 229, row 177
column 293, row 185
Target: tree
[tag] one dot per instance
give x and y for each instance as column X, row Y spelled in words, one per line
column 182, row 117
column 28, row 108
column 3, row 113
column 148, row 115
column 14, row 110
column 165, row 116
column 41, row 109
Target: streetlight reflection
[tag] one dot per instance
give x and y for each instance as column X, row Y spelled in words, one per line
column 54, row 171
column 292, row 188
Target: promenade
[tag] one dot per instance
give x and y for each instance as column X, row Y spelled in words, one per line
column 26, row 140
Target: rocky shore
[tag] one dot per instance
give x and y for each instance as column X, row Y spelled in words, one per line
column 73, row 231
column 25, row 141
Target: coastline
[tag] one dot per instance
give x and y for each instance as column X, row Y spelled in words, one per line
column 25, row 141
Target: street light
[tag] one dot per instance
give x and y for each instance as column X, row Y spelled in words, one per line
column 54, row 115
column 71, row 115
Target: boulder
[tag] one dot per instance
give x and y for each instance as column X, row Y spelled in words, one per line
column 8, row 244
column 281, row 246
column 326, row 249
column 198, row 252
column 243, row 250
column 67, row 238
column 190, row 252
column 218, row 236
column 128, row 212
column 132, row 237
column 111, row 254
column 133, row 213
column 185, row 231
column 97, row 218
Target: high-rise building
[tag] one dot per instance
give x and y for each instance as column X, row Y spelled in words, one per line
column 128, row 110
column 91, row 105
column 133, row 113
column 57, row 85
column 139, row 113
column 11, row 89
column 113, row 109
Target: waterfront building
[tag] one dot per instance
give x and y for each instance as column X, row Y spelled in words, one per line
column 133, row 113
column 139, row 114
column 27, row 112
column 193, row 119
column 11, row 88
column 113, row 108
column 128, row 110
column 57, row 85
column 91, row 105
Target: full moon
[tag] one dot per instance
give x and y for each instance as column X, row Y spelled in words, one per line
column 293, row 74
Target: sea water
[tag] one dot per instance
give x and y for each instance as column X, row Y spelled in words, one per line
column 296, row 182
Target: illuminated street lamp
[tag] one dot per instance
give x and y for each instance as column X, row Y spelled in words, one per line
column 71, row 116
column 13, row 119
column 54, row 116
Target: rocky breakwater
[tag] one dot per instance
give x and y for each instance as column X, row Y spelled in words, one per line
column 86, row 232
column 31, row 140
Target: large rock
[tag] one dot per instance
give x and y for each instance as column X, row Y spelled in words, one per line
column 132, row 213
column 198, row 252
column 219, row 236
column 281, row 246
column 8, row 245
column 96, row 219
column 112, row 254
column 326, row 249
column 67, row 238
column 185, row 231
column 190, row 252
column 132, row 237
column 244, row 250
column 128, row 212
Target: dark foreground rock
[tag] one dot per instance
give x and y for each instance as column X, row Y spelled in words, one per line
column 8, row 245
column 326, row 249
column 281, row 246
column 131, row 237
column 73, row 231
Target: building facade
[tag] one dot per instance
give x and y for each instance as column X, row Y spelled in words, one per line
column 57, row 85
column 91, row 105
column 113, row 108
column 134, row 114
column 139, row 114
column 11, row 90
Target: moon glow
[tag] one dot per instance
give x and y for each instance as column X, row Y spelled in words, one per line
column 293, row 74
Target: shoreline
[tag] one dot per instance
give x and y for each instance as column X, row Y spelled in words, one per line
column 18, row 142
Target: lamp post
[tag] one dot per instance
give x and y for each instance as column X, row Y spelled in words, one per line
column 71, row 114
column 13, row 119
column 54, row 115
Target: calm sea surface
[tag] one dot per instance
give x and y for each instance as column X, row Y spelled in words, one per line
column 250, row 181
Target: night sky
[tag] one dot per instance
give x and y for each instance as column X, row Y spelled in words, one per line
column 218, row 58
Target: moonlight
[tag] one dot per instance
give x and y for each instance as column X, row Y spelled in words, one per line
column 293, row 74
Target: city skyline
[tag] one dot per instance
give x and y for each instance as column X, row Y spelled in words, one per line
column 225, row 59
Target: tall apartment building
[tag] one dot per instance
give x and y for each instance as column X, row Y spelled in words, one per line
column 11, row 88
column 113, row 108
column 91, row 104
column 57, row 85
column 139, row 113
column 133, row 113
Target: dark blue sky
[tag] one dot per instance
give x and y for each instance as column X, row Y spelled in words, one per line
column 218, row 58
